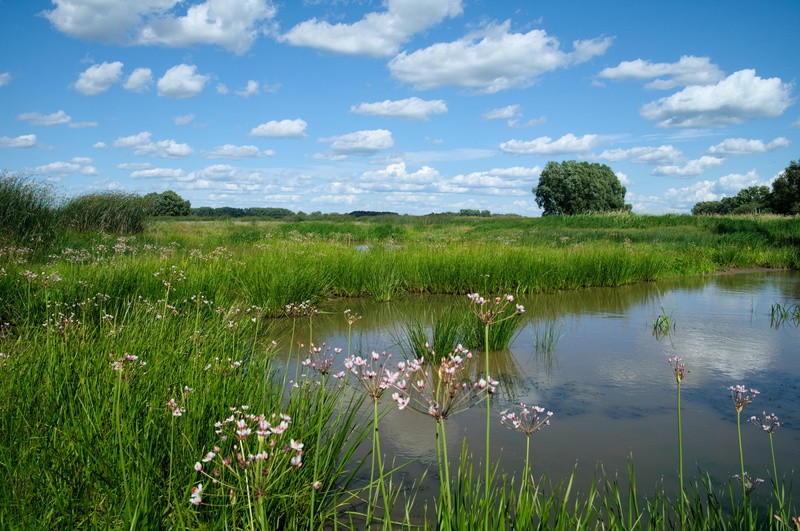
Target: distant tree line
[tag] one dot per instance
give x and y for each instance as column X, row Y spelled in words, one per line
column 783, row 198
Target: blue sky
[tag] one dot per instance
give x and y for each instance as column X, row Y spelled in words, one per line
column 411, row 106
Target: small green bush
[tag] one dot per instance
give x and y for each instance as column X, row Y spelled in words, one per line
column 109, row 212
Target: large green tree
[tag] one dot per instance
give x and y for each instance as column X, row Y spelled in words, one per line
column 572, row 187
column 752, row 200
column 167, row 203
column 785, row 197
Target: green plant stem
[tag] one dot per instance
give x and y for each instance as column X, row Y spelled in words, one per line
column 376, row 448
column 487, row 477
column 681, row 504
column 741, row 452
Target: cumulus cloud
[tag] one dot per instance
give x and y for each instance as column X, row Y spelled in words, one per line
column 221, row 88
column 693, row 167
column 377, row 34
column 5, row 78
column 81, row 125
column 492, row 60
column 740, row 97
column 181, row 81
column 139, row 80
column 230, row 151
column 689, row 70
column 35, row 118
column 98, row 78
column 100, row 145
column 23, row 141
column 143, row 145
column 57, row 168
column 644, row 155
column 508, row 181
column 411, row 108
column 545, row 145
column 251, row 89
column 231, row 24
column 396, row 177
column 365, row 142
column 281, row 129
column 743, row 146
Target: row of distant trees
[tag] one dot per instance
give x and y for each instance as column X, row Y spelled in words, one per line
column 782, row 198
column 571, row 187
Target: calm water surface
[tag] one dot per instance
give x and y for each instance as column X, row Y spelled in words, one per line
column 608, row 381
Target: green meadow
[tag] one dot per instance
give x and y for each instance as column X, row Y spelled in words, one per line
column 142, row 384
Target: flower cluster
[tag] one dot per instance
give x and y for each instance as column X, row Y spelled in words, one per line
column 251, row 457
column 438, row 390
column 302, row 309
column 371, row 373
column 528, row 420
column 127, row 365
column 170, row 277
column 320, row 359
column 490, row 311
column 741, row 397
column 678, row 368
column 768, row 423
column 749, row 484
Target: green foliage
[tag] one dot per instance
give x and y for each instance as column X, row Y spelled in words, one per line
column 785, row 198
column 26, row 214
column 752, row 200
column 167, row 203
column 233, row 212
column 108, row 212
column 572, row 187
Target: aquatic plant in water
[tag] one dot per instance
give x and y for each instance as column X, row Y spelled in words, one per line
column 742, row 397
column 528, row 420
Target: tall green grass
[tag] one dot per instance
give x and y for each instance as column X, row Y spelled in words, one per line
column 26, row 211
column 110, row 212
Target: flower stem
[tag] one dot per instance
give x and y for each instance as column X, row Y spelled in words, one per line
column 741, row 453
column 487, row 480
column 680, row 456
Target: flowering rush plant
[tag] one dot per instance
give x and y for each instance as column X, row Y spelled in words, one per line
column 252, row 457
column 440, row 389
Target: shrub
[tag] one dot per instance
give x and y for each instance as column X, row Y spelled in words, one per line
column 110, row 212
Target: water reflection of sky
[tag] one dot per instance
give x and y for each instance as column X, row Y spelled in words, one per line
column 609, row 383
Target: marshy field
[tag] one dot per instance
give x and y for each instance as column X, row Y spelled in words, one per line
column 441, row 372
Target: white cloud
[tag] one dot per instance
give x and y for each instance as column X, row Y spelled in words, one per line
column 100, row 145
column 251, row 89
column 230, row 151
column 743, row 146
column 733, row 182
column 5, row 78
column 81, row 160
column 82, row 125
column 503, row 113
column 59, row 168
column 89, row 170
column 139, row 80
column 183, row 119
column 708, row 190
column 740, row 97
column 133, row 165
column 377, row 34
column 411, row 108
column 491, row 60
column 395, row 177
column 35, row 118
column 689, row 70
column 181, row 81
column 98, row 78
column 361, row 142
column 23, row 141
column 693, row 167
column 281, row 129
column 644, row 155
column 545, row 145
column 231, row 24
column 159, row 173
column 143, row 145
column 221, row 88
column 515, row 178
